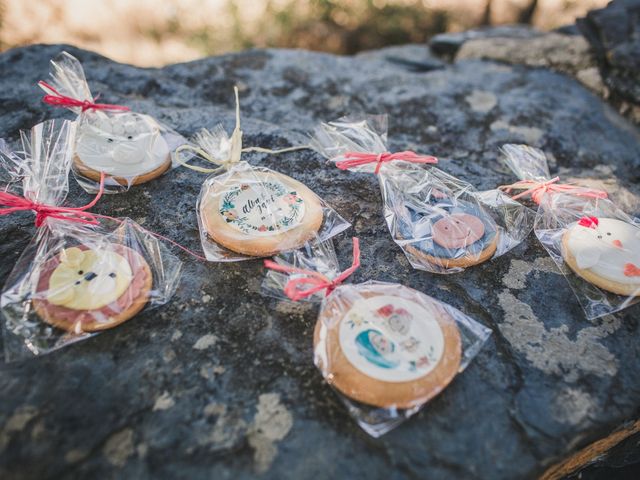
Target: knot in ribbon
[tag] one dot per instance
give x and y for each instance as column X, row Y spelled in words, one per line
column 537, row 189
column 235, row 149
column 14, row 203
column 356, row 159
column 57, row 99
column 589, row 222
column 315, row 281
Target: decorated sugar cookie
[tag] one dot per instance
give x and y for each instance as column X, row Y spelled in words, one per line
column 605, row 252
column 450, row 234
column 386, row 350
column 259, row 212
column 85, row 290
column 126, row 146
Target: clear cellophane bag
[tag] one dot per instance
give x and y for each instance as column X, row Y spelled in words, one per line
column 246, row 211
column 385, row 349
column 129, row 147
column 594, row 243
column 442, row 224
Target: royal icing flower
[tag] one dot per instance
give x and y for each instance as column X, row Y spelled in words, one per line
column 262, row 228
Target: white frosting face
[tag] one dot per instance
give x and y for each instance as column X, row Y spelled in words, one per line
column 391, row 339
column 610, row 249
column 121, row 145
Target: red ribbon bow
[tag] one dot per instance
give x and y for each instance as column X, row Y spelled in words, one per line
column 589, row 222
column 537, row 190
column 356, row 159
column 58, row 100
column 316, row 280
column 14, row 203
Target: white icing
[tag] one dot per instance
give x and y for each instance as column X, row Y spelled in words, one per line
column 391, row 339
column 121, row 145
column 261, row 208
column 608, row 250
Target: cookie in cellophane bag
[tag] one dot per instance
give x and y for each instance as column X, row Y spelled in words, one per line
column 442, row 224
column 129, row 148
column 385, row 348
column 247, row 211
column 594, row 243
column 81, row 273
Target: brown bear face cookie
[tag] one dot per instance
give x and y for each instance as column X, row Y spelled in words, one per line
column 386, row 348
column 259, row 213
column 84, row 290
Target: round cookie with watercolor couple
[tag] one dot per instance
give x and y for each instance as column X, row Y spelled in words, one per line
column 88, row 289
column 386, row 345
column 605, row 252
column 259, row 212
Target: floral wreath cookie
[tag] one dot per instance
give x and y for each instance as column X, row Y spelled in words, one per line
column 260, row 213
column 83, row 289
column 386, row 350
column 452, row 234
column 127, row 147
column 605, row 252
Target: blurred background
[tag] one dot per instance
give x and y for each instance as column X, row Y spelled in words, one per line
column 155, row 33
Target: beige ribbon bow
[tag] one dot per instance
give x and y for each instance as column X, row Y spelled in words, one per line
column 235, row 149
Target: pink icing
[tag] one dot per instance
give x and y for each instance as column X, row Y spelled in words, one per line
column 99, row 315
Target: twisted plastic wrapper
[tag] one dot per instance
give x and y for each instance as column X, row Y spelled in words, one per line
column 247, row 211
column 442, row 224
column 129, row 147
column 385, row 349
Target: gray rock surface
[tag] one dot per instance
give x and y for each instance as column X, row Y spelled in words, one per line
column 614, row 35
column 601, row 51
column 220, row 382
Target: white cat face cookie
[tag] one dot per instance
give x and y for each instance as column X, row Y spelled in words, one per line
column 124, row 145
column 606, row 252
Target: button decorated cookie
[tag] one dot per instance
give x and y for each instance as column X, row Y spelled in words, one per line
column 605, row 252
column 386, row 346
column 83, row 289
column 448, row 235
column 259, row 213
column 457, row 230
column 127, row 147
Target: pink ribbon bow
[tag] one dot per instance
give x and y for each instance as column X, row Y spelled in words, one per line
column 356, row 159
column 59, row 100
column 315, row 280
column 537, row 190
column 14, row 203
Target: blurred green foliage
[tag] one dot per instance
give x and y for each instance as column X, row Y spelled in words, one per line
column 328, row 25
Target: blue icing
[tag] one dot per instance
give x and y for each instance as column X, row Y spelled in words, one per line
column 369, row 347
column 416, row 224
